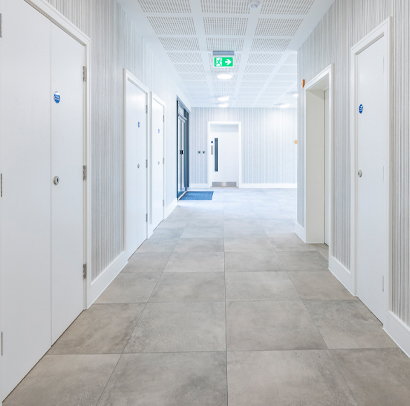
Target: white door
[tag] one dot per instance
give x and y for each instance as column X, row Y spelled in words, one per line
column 157, row 163
column 25, row 225
column 224, row 157
column 136, row 168
column 327, row 171
column 372, row 197
column 67, row 152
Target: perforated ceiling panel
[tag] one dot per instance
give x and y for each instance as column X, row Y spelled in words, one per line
column 225, row 6
column 298, row 7
column 165, row 6
column 188, row 57
column 264, row 41
column 224, row 44
column 277, row 27
column 269, row 44
column 225, row 26
column 180, row 44
column 173, row 25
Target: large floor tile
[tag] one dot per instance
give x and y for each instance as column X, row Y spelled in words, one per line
column 203, row 232
column 348, row 324
column 376, row 377
column 190, row 287
column 303, row 261
column 167, row 233
column 200, row 245
column 286, row 378
column 64, row 380
column 178, row 327
column 290, row 242
column 159, row 245
column 147, row 262
column 130, row 288
column 244, row 286
column 102, row 329
column 248, row 244
column 270, row 326
column 196, row 262
column 256, row 261
column 179, row 379
column 319, row 286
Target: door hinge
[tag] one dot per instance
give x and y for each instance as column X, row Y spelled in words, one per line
column 85, row 271
column 146, row 217
column 1, row 25
column 146, row 108
column 163, row 160
column 146, row 163
column 1, row 343
column 1, row 185
column 84, row 172
column 383, row 283
column 163, row 203
column 163, row 119
column 84, row 74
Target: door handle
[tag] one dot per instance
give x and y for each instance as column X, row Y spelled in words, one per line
column 158, row 162
column 56, row 180
column 138, row 166
column 360, row 174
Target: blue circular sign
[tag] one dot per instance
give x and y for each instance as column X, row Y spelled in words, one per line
column 57, row 97
column 361, row 108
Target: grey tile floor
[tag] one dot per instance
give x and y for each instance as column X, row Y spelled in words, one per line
column 223, row 305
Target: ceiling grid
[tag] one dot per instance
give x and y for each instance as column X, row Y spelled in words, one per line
column 186, row 32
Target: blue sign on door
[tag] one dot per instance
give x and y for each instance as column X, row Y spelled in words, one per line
column 139, row 124
column 159, row 130
column 57, row 97
column 361, row 108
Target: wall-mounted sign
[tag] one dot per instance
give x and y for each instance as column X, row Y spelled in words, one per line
column 57, row 97
column 361, row 108
column 159, row 130
column 223, row 61
column 139, row 124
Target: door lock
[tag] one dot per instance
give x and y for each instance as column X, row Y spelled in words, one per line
column 138, row 166
column 360, row 174
column 56, row 180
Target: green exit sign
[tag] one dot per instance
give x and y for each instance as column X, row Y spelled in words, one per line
column 223, row 61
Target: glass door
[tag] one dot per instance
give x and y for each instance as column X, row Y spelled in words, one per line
column 182, row 150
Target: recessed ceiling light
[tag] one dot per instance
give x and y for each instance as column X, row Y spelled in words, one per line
column 223, row 105
column 284, row 106
column 223, row 99
column 254, row 4
column 224, row 76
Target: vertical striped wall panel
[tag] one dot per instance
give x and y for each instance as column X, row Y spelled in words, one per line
column 116, row 44
column 268, row 143
column 342, row 27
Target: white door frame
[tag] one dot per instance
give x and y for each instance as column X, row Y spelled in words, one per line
column 150, row 162
column 129, row 77
column 383, row 30
column 67, row 26
column 239, row 124
column 325, row 75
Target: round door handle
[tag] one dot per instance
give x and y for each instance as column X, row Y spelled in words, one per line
column 56, row 180
column 360, row 174
column 138, row 166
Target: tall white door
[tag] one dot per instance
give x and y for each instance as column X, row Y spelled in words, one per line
column 223, row 159
column 25, row 223
column 157, row 163
column 67, row 158
column 372, row 218
column 136, row 168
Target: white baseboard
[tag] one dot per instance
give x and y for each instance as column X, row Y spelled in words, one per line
column 300, row 232
column 170, row 208
column 398, row 331
column 342, row 274
column 198, row 186
column 102, row 282
column 268, row 185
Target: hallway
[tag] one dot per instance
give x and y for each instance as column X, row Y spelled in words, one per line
column 223, row 305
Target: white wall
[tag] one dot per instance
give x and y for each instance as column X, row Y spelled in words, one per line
column 268, row 143
column 116, row 44
column 343, row 26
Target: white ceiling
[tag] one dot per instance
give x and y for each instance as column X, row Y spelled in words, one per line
column 183, row 34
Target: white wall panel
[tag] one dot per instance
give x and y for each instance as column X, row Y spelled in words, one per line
column 115, row 44
column 268, row 143
column 343, row 26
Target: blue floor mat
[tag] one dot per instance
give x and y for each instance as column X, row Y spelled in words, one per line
column 197, row 196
